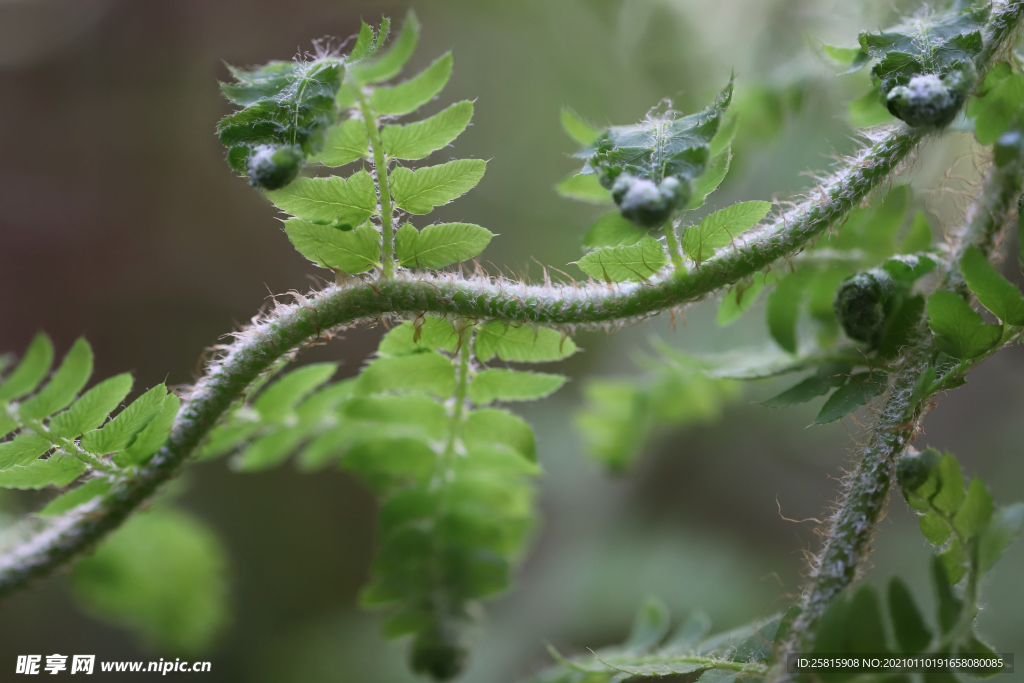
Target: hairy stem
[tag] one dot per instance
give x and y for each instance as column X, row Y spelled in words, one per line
column 380, row 164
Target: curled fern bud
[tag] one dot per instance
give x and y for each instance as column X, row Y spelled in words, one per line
column 271, row 168
column 863, row 303
column 436, row 656
column 928, row 100
column 646, row 203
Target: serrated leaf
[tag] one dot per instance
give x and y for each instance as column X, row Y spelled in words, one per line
column 783, row 310
column 717, row 169
column 71, row 376
column 951, row 487
column 421, row 190
column 422, row 138
column 30, row 371
column 269, row 450
column 959, row 330
column 511, row 385
column 279, row 399
column 934, row 527
column 911, row 632
column 489, row 426
column 816, row 385
column 409, row 96
column 344, row 143
column 976, row 511
column 1001, row 531
column 719, row 228
column 352, row 251
column 163, row 574
column 635, row 262
column 739, row 299
column 436, row 246
column 578, row 129
column 155, row 434
column 994, row 291
column 121, row 432
column 525, row 344
column 333, row 200
column 57, row 470
column 954, row 560
column 999, row 107
column 919, row 237
column 72, row 499
column 859, row 391
column 22, row 449
column 612, row 230
column 389, row 64
column 427, row 334
column 89, row 411
column 364, row 41
column 584, row 188
column 426, row 372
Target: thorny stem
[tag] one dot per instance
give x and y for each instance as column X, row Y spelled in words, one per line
column 285, row 331
column 380, row 164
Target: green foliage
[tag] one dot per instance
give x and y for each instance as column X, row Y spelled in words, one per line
column 998, row 105
column 994, row 292
column 335, row 201
column 162, row 574
column 958, row 329
column 409, row 96
column 632, row 262
column 420, row 139
column 436, row 246
column 353, row 251
column 420, row 192
column 718, row 229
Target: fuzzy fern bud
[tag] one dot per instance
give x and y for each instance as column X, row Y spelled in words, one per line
column 435, row 655
column 929, row 100
column 647, row 203
column 863, row 303
column 271, row 168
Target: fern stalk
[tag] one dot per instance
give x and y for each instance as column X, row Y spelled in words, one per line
column 380, row 164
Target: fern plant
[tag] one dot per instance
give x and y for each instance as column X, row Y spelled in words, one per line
column 861, row 299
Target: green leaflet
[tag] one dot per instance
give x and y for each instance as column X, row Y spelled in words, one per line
column 389, row 64
column 30, row 371
column 352, row 251
column 497, row 427
column 62, row 388
column 818, row 384
column 22, row 450
column 424, row 334
column 162, row 574
column 958, row 329
column 427, row 372
column 739, row 299
column 268, row 450
column 511, row 385
column 908, row 625
column 994, row 292
column 999, row 104
column 344, row 143
column 57, row 470
column 72, row 499
column 858, row 391
column 279, row 399
column 525, row 344
column 612, row 230
column 421, row 190
column 333, row 200
column 120, row 432
column 89, row 411
column 631, row 262
column 436, row 246
column 409, row 96
column 153, row 436
column 584, row 188
column 422, row 138
column 718, row 168
column 784, row 310
column 718, row 229
column 975, row 511
column 578, row 129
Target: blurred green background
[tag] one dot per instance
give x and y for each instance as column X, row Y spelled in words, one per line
column 119, row 220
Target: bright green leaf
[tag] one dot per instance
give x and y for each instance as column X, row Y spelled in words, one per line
column 710, row 180
column 89, row 411
column 353, row 251
column 421, row 190
column 994, row 292
column 959, row 330
column 784, row 310
column 951, row 488
column 997, row 109
column 718, row 229
column 57, row 470
column 633, row 262
column 525, row 343
column 859, row 391
column 739, row 299
column 75, row 497
column 612, row 230
column 584, row 188
column 511, row 385
column 422, row 138
column 975, row 512
column 429, row 333
column 153, row 436
column 867, row 111
column 269, row 450
column 333, row 200
column 412, row 94
column 391, row 62
column 954, row 560
column 30, row 371
column 22, row 449
column 279, row 399
column 344, row 143
column 934, row 527
column 436, row 246
column 578, row 129
column 65, row 384
column 120, row 432
column 426, row 372
column 496, row 426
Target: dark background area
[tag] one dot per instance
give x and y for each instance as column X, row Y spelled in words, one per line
column 120, row 221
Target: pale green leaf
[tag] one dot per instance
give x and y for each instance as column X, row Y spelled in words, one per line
column 72, row 499
column 89, row 411
column 739, row 299
column 412, row 94
column 868, row 111
column 389, row 64
column 364, row 41
column 994, row 292
column 57, row 470
column 440, row 245
column 30, row 371
column 420, row 139
column 511, row 385
column 723, row 138
column 612, row 230
column 976, row 510
column 22, row 449
column 525, row 343
column 426, row 372
column 1004, row 527
column 269, row 450
column 950, row 495
column 784, row 309
column 121, row 432
column 421, row 190
column 490, row 426
column 632, row 262
column 959, row 329
column 424, row 334
column 279, row 399
column 351, row 251
column 153, row 436
column 333, row 200
column 578, row 129
column 720, row 228
column 584, row 188
column 65, row 384
column 163, row 574
column 718, row 168
column 934, row 527
column 344, row 143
